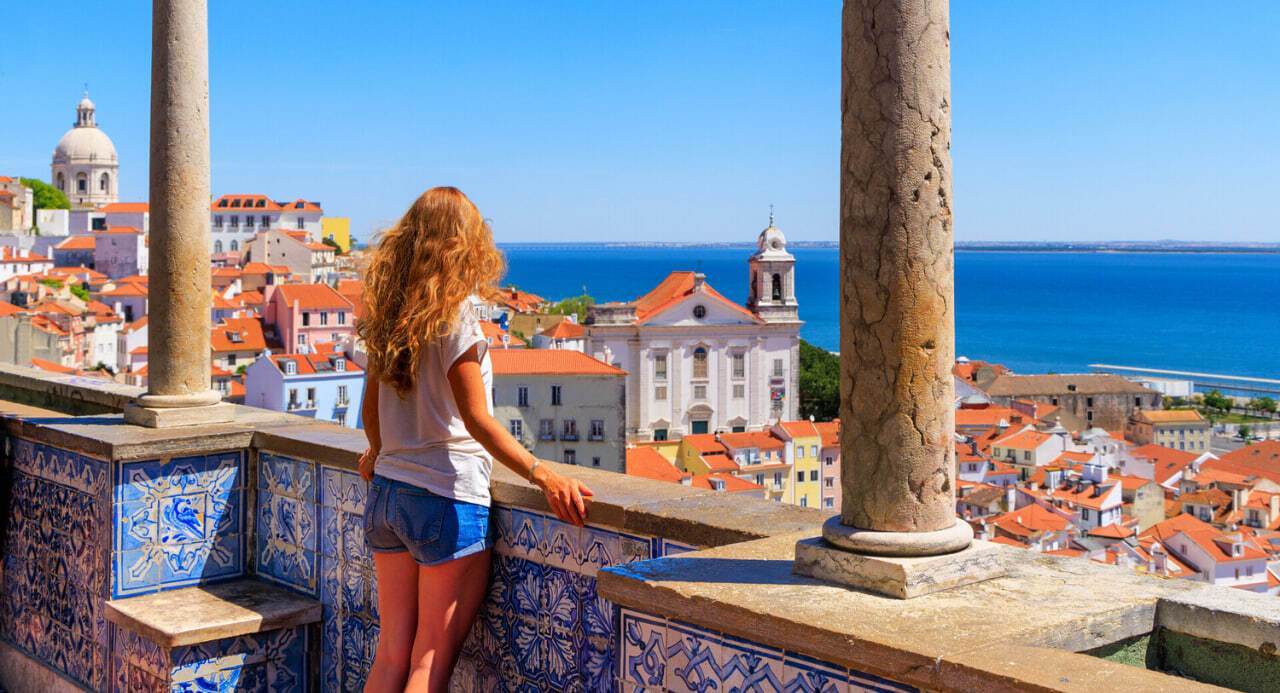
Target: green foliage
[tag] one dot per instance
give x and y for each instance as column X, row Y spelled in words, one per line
column 1263, row 404
column 819, row 383
column 1216, row 400
column 80, row 292
column 575, row 305
column 332, row 244
column 52, row 283
column 242, row 368
column 1174, row 402
column 46, row 196
column 1244, row 432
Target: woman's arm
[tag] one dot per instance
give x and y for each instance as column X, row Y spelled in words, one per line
column 565, row 495
column 372, row 429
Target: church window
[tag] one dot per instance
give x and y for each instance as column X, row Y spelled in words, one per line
column 104, row 183
column 660, row 367
column 777, row 368
column 739, row 391
column 660, row 392
column 62, row 183
column 739, row 365
column 777, row 287
column 82, row 183
column 699, row 312
column 699, row 391
column 217, row 247
column 700, row 362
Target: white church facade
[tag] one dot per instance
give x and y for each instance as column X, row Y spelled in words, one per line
column 698, row 362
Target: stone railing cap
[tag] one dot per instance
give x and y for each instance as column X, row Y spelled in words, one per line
column 200, row 614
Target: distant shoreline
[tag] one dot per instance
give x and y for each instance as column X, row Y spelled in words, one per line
column 1171, row 247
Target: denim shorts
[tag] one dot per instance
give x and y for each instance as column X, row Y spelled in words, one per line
column 433, row 529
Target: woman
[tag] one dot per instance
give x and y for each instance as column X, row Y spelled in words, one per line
column 432, row 438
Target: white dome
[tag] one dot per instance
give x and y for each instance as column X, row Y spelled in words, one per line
column 85, row 144
column 771, row 244
column 85, row 103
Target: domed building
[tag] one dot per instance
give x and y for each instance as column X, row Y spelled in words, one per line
column 84, row 162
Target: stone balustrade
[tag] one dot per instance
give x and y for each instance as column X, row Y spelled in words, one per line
column 233, row 554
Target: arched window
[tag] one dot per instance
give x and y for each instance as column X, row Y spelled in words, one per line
column 62, row 182
column 217, row 247
column 700, row 362
column 104, row 183
column 82, row 182
column 777, row 287
column 235, row 246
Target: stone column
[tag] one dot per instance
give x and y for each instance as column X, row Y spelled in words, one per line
column 180, row 297
column 897, row 336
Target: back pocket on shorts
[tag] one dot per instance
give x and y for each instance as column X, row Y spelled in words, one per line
column 418, row 515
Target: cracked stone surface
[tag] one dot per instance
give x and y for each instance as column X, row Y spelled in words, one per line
column 897, row 341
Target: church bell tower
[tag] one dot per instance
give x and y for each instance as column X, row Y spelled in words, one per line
column 773, row 278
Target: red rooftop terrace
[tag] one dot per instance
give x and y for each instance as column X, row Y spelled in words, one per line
column 161, row 539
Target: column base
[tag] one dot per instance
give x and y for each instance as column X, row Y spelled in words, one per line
column 174, row 417
column 905, row 544
column 900, row 577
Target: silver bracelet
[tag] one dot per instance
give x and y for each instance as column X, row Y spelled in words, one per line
column 533, row 467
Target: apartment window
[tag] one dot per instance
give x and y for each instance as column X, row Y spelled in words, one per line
column 1084, row 514
column 570, row 430
column 777, row 479
column 217, row 220
column 828, row 502
column 799, row 477
column 1026, row 455
column 547, row 429
column 595, row 461
column 1089, row 415
column 248, row 221
column 777, row 368
column 813, row 450
column 231, row 360
column 302, row 340
column 301, row 224
column 699, row 391
column 739, row 365
column 829, row 482
column 1053, row 401
column 570, row 456
column 760, row 479
column 522, row 396
column 324, row 317
column 700, row 362
column 311, row 395
column 597, row 429
column 659, row 434
column 739, row 429
column 342, row 317
column 1137, row 401
column 1088, row 401
column 739, row 391
column 306, row 319
column 660, row 367
column 291, row 368
column 293, row 397
column 266, row 221
column 813, row 475
column 516, row 426
column 341, row 419
column 660, row 392
column 804, row 501
column 800, row 451
column 555, row 395
column 235, row 222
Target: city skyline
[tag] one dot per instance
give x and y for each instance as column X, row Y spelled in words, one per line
column 671, row 123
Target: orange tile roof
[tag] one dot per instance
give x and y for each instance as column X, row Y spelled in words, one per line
column 238, row 334
column 732, row 484
column 1087, row 496
column 650, row 464
column 126, row 208
column 719, row 462
column 312, row 296
column 830, row 431
column 1208, row 538
column 136, row 324
column 519, row 301
column 968, row 371
column 704, row 443
column 254, row 202
column 801, row 429
column 565, row 330
column 1024, row 440
column 1169, row 416
column 1259, row 459
column 1112, row 531
column 7, row 309
column 548, row 362
column 11, row 255
column 1030, row 520
column 495, row 333
column 1166, row 461
column 675, row 288
column 990, row 416
column 44, row 324
column 127, row 289
column 78, row 243
column 82, row 273
column 311, row 364
column 121, row 230
column 263, row 268
column 751, row 439
column 52, row 367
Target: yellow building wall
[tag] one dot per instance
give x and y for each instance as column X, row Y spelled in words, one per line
column 338, row 229
column 669, row 449
column 689, row 459
column 810, row 491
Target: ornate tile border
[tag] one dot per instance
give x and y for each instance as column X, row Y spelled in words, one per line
column 348, row 591
column 665, row 654
column 286, row 521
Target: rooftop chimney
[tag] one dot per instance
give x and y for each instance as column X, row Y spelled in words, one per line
column 699, row 280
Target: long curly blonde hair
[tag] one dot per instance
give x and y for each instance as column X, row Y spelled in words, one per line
column 422, row 270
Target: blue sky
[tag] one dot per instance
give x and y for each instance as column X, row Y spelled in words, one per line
column 683, row 120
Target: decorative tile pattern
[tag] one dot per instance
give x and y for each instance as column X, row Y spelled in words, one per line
column 274, row 661
column 55, row 560
column 348, row 592
column 662, row 654
column 177, row 523
column 286, row 520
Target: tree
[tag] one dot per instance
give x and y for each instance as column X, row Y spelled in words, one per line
column 819, row 383
column 574, row 305
column 1244, row 432
column 328, row 240
column 1266, row 404
column 1217, row 400
column 46, row 196
column 80, row 292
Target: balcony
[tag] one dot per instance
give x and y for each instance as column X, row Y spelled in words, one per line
column 667, row 587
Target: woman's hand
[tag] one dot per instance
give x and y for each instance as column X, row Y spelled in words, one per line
column 567, row 497
column 366, row 463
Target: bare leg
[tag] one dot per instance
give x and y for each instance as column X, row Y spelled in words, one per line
column 397, row 575
column 449, row 595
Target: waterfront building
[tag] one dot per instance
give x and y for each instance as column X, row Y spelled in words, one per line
column 301, row 315
column 236, row 219
column 700, row 363
column 562, row 405
column 324, row 385
column 84, row 165
column 1181, row 429
column 1098, row 399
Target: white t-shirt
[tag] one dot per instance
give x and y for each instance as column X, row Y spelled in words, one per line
column 424, row 442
